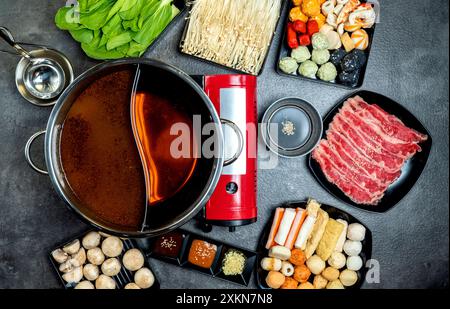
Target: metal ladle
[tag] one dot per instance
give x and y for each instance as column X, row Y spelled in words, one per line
column 43, row 78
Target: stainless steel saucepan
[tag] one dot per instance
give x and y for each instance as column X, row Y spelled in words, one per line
column 200, row 186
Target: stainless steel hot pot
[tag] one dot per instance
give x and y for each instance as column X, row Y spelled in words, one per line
column 186, row 203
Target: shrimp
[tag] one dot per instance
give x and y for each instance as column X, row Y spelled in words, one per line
column 349, row 7
column 328, row 7
column 364, row 15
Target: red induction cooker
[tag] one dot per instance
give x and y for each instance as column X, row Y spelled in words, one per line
column 234, row 201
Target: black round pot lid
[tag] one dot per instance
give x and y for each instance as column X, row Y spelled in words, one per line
column 291, row 127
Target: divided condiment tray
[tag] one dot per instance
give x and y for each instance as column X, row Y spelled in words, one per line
column 179, row 254
column 122, row 278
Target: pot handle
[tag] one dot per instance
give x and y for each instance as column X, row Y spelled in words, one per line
column 28, row 155
column 240, row 141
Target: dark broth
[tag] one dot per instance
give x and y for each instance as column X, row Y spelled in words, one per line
column 99, row 155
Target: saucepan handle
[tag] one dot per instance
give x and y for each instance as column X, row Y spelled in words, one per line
column 6, row 35
column 240, row 136
column 28, row 154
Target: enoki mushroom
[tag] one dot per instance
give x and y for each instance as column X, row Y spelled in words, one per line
column 234, row 33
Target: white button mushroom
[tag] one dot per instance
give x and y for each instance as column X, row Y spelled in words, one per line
column 104, row 282
column 133, row 259
column 73, row 276
column 79, row 257
column 144, row 278
column 84, row 285
column 112, row 246
column 111, row 267
column 91, row 240
column 76, row 260
column 352, row 248
column 132, row 286
column 95, row 256
column 65, row 267
column 60, row 256
column 73, row 247
column 91, row 272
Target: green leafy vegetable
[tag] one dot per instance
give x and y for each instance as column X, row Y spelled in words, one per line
column 82, row 35
column 66, row 19
column 132, row 12
column 111, row 29
column 96, row 18
column 161, row 17
column 118, row 40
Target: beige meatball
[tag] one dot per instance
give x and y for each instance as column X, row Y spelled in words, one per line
column 348, row 277
column 144, row 278
column 112, row 246
column 330, row 273
column 111, row 267
column 104, row 282
column 95, row 256
column 337, row 260
column 315, row 264
column 306, row 286
column 133, row 259
column 335, row 285
column 320, row 282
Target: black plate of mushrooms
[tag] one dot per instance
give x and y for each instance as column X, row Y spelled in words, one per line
column 96, row 260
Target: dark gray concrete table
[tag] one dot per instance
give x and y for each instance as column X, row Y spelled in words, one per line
column 409, row 63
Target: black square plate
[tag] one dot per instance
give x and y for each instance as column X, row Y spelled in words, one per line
column 151, row 243
column 334, row 213
column 285, row 51
column 242, row 279
column 185, row 258
column 122, row 278
column 183, row 36
column 411, row 170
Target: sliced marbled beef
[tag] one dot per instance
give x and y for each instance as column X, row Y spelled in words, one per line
column 365, row 150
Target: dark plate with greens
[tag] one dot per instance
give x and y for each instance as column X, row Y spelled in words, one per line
column 113, row 29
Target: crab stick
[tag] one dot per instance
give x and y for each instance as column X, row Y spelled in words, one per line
column 312, row 209
column 300, row 216
column 275, row 225
column 305, row 232
column 285, row 226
